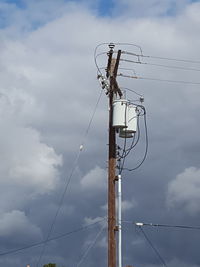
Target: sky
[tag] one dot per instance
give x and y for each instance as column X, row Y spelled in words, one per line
column 48, row 93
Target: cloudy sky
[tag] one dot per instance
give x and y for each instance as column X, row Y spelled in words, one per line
column 48, row 92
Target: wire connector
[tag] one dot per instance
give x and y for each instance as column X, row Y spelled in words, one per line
column 139, row 224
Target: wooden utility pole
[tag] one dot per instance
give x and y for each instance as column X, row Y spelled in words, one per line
column 112, row 68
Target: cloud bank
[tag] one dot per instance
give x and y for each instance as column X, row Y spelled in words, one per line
column 48, row 91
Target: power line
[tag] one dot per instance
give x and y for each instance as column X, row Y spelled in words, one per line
column 146, row 148
column 157, row 65
column 90, row 246
column 168, row 226
column 50, row 239
column 140, row 224
column 102, row 53
column 153, row 247
column 133, row 144
column 163, row 58
column 156, row 79
column 174, row 59
column 171, row 67
column 131, row 90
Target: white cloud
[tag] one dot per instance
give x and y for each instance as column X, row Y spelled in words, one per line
column 126, row 205
column 26, row 161
column 48, row 90
column 140, row 8
column 184, row 190
column 103, row 243
column 16, row 223
column 95, row 180
column 90, row 220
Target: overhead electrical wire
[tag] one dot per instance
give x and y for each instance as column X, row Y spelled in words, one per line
column 102, row 53
column 134, row 143
column 69, row 179
column 153, row 247
column 157, row 65
column 168, row 226
column 146, row 147
column 121, row 44
column 92, row 116
column 131, row 90
column 90, row 246
column 127, row 151
column 124, row 149
column 50, row 239
column 156, row 79
column 141, row 224
column 174, row 59
column 170, row 67
column 162, row 58
column 95, row 60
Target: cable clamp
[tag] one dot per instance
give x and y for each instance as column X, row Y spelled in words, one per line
column 139, row 224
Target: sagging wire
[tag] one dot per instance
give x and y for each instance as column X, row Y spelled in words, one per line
column 146, row 148
column 133, row 91
column 125, row 152
column 121, row 44
column 134, row 143
column 51, row 239
column 103, row 53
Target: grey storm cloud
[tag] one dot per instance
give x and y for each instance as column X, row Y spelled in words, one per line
column 48, row 91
